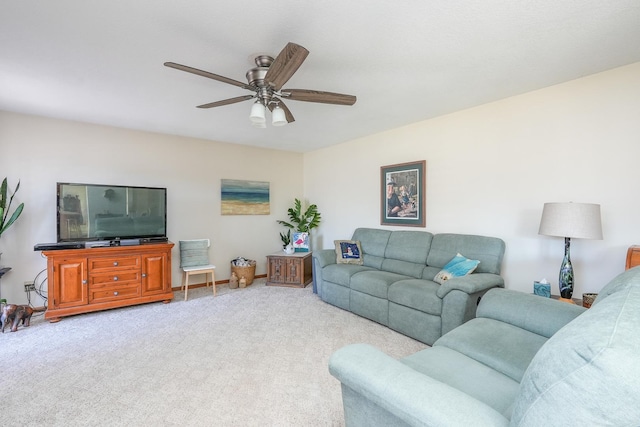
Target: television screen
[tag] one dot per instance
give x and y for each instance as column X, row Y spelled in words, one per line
column 107, row 212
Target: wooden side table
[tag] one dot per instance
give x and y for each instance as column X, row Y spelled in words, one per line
column 576, row 301
column 633, row 257
column 289, row 270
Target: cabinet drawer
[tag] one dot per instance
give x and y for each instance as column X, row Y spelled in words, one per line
column 113, row 293
column 115, row 277
column 97, row 264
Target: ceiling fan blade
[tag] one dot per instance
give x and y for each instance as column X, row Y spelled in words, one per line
column 285, row 65
column 287, row 112
column 208, row 75
column 318, row 96
column 226, row 101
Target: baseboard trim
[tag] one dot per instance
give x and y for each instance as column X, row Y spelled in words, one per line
column 218, row 283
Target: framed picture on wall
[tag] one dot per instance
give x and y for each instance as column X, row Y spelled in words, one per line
column 239, row 197
column 300, row 241
column 402, row 194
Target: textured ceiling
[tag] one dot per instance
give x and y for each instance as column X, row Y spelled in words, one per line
column 406, row 61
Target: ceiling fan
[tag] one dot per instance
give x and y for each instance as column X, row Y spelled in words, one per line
column 266, row 81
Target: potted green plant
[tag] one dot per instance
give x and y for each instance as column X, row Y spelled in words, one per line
column 5, row 219
column 286, row 238
column 300, row 221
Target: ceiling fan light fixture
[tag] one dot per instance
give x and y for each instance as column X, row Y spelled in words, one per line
column 278, row 118
column 257, row 113
column 266, row 81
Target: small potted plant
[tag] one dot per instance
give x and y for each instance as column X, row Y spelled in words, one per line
column 302, row 222
column 5, row 219
column 286, row 242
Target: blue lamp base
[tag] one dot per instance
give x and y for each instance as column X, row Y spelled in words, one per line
column 565, row 281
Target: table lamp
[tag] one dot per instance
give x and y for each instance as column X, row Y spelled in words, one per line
column 577, row 220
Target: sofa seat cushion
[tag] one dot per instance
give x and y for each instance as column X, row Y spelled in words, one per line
column 340, row 274
column 506, row 348
column 374, row 282
column 467, row 375
column 417, row 294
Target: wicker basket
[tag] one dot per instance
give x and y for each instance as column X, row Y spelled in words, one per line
column 248, row 272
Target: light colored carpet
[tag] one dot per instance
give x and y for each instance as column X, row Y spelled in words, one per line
column 249, row 357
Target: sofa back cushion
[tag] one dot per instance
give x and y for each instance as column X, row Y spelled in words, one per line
column 618, row 283
column 588, row 373
column 406, row 252
column 488, row 250
column 373, row 242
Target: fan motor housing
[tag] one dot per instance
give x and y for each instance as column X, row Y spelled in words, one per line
column 255, row 76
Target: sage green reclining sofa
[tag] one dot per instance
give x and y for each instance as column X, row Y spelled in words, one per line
column 524, row 361
column 394, row 286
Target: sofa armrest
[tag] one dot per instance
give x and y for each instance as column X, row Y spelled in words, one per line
column 540, row 315
column 414, row 398
column 470, row 284
column 325, row 257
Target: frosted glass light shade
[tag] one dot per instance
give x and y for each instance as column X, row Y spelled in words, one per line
column 576, row 220
column 257, row 113
column 278, row 118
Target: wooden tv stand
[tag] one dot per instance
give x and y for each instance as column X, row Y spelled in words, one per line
column 93, row 279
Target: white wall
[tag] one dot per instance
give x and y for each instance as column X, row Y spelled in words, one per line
column 41, row 152
column 490, row 169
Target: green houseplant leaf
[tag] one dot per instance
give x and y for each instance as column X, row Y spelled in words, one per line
column 286, row 238
column 302, row 221
column 5, row 219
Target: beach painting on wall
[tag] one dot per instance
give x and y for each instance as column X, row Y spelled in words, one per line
column 240, row 197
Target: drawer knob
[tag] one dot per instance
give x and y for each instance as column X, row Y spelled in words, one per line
column 84, row 282
column 115, row 263
column 144, row 274
column 115, row 278
column 115, row 293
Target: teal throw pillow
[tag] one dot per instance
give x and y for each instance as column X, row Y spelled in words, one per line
column 459, row 266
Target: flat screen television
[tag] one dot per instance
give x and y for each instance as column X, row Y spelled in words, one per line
column 91, row 212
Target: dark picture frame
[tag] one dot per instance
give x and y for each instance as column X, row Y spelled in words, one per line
column 402, row 194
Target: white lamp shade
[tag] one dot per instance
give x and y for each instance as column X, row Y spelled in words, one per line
column 278, row 118
column 575, row 220
column 257, row 113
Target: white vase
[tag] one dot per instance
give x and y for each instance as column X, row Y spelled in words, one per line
column 288, row 249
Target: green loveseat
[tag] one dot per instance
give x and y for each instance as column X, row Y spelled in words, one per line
column 394, row 286
column 524, row 361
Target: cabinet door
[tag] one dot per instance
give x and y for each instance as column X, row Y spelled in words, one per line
column 294, row 272
column 276, row 270
column 154, row 273
column 70, row 283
